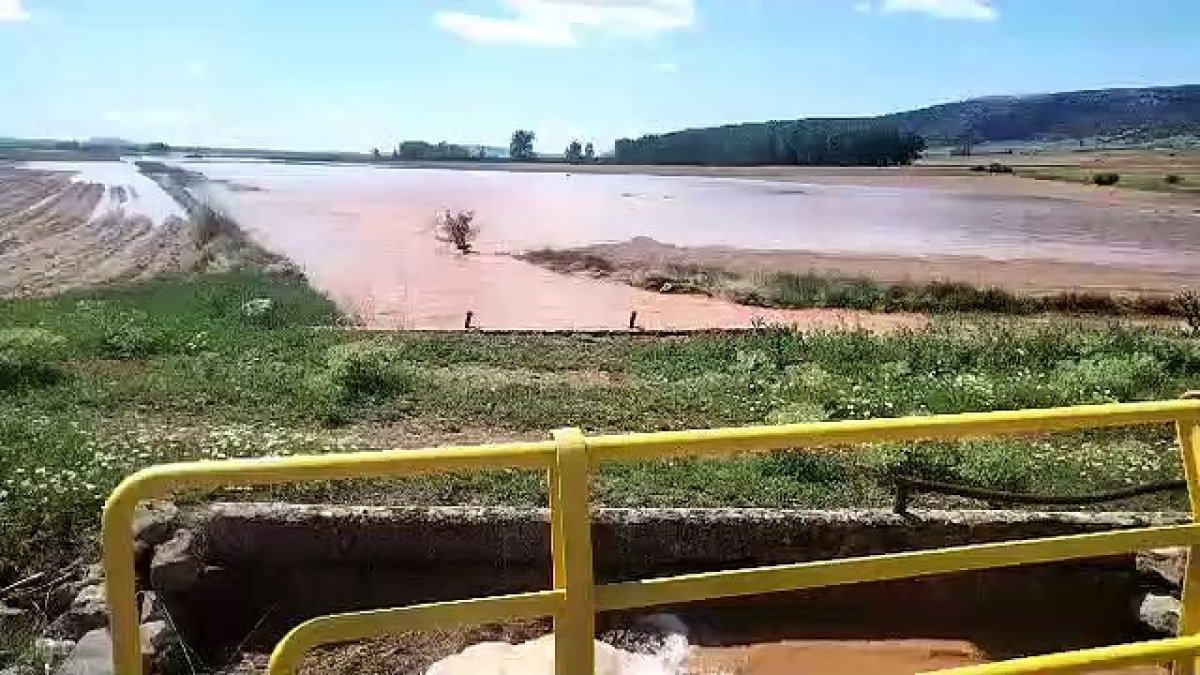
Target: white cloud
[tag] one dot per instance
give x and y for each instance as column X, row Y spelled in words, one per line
column 667, row 67
column 563, row 23
column 11, row 10
column 967, row 10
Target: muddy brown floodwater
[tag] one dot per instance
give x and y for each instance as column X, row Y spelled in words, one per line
column 365, row 236
column 837, row 657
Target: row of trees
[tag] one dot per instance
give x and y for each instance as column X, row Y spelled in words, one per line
column 804, row 142
column 422, row 150
column 578, row 154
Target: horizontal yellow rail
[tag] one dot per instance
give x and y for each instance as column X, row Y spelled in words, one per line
column 378, row 623
column 1088, row 660
column 692, row 587
column 568, row 460
column 660, row 445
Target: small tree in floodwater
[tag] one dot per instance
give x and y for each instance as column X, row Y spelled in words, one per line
column 458, row 228
column 1187, row 303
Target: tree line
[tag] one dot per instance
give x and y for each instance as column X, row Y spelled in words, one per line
column 801, row 142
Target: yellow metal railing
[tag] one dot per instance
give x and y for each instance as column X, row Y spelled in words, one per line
column 575, row 598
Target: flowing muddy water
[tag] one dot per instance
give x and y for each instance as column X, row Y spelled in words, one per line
column 365, row 235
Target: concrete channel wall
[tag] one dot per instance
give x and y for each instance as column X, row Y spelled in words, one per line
column 229, row 570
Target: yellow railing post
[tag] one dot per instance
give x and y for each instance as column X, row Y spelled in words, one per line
column 571, row 541
column 120, row 583
column 1189, row 616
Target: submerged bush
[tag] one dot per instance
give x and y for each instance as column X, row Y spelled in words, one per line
column 458, row 228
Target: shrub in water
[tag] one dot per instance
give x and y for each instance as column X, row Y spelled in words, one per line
column 1187, row 304
column 458, row 229
column 1173, row 179
column 1107, row 178
column 29, row 357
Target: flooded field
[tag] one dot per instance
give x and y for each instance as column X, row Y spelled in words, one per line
column 365, row 235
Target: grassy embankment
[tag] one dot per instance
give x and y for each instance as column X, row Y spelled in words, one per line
column 1181, row 182
column 97, row 385
column 802, row 290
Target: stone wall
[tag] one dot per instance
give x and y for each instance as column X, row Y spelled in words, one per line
column 262, row 568
column 239, row 575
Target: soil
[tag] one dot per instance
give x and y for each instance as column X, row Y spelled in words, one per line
column 49, row 241
column 56, row 235
column 1036, row 276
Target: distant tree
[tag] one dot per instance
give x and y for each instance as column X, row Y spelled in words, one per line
column 395, row 153
column 375, row 155
column 809, row 142
column 574, row 153
column 589, row 153
column 521, row 146
column 421, row 150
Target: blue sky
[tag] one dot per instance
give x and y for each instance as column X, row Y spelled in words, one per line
column 314, row 74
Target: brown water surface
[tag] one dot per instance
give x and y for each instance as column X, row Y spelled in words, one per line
column 365, row 235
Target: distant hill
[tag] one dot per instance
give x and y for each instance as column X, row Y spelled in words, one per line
column 1113, row 115
column 1135, row 114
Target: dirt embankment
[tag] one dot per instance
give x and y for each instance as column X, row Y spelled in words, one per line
column 644, row 256
column 55, row 236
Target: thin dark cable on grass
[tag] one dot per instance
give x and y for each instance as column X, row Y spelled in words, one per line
column 187, row 650
column 907, row 486
column 237, row 651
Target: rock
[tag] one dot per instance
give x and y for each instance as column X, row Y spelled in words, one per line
column 161, row 648
column 88, row 611
column 1163, row 566
column 257, row 307
column 154, row 522
column 1160, row 612
column 93, row 574
column 7, row 612
column 151, row 609
column 58, row 599
column 92, row 655
column 51, row 650
column 176, row 566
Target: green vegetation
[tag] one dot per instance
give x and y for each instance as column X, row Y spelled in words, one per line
column 1130, row 178
column 521, row 146
column 805, row 142
column 443, row 151
column 1110, row 115
column 100, row 384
